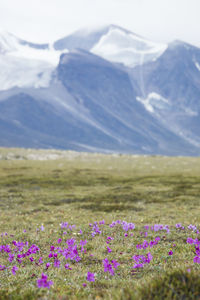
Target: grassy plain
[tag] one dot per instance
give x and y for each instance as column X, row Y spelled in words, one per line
column 84, row 188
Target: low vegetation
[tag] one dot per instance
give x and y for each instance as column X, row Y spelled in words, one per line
column 92, row 226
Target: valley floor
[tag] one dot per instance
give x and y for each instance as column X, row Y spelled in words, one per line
column 44, row 192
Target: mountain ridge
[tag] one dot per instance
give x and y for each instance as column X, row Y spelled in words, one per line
column 118, row 93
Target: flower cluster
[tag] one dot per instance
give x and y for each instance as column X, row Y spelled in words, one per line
column 65, row 251
column 195, row 242
column 43, row 282
column 110, row 266
column 141, row 260
column 150, row 244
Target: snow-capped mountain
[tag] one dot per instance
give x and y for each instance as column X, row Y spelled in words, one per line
column 105, row 89
column 114, row 44
column 24, row 64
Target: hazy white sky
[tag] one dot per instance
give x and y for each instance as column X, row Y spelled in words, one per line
column 48, row 20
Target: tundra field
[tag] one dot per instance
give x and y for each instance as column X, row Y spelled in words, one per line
column 93, row 226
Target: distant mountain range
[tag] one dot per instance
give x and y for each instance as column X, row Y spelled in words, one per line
column 103, row 90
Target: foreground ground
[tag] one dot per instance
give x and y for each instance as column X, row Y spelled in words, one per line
column 120, row 206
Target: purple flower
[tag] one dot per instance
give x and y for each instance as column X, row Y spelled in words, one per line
column 115, row 264
column 145, row 244
column 64, row 225
column 56, row 263
column 84, row 284
column 77, row 258
column 101, row 222
column 2, row 268
column 11, row 257
column 96, row 229
column 127, row 226
column 196, row 259
column 90, row 276
column 109, row 239
column 40, row 260
column 67, row 267
column 179, row 226
column 137, row 266
column 170, row 252
column 47, row 265
column 59, row 241
column 71, row 242
column 109, row 250
column 43, row 283
column 83, row 243
column 148, row 258
column 192, row 227
column 52, row 248
column 108, row 267
column 141, row 260
column 190, row 241
column 71, row 227
column 14, row 269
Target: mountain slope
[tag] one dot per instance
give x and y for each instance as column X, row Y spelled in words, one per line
column 170, row 89
column 38, row 123
column 111, row 100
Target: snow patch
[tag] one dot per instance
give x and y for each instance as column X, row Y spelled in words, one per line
column 124, row 47
column 197, row 65
column 153, row 101
column 15, row 72
column 8, row 42
column 24, row 66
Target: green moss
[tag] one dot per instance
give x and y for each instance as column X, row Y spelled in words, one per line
column 178, row 285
